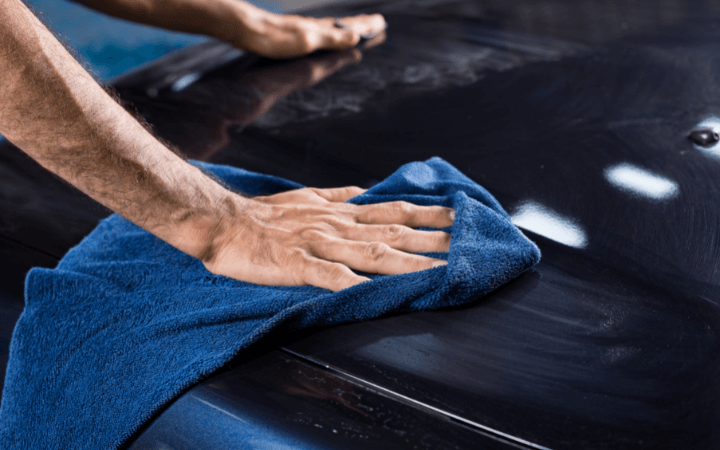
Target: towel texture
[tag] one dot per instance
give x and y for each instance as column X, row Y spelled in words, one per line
column 126, row 322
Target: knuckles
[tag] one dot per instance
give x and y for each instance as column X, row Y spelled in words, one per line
column 329, row 273
column 394, row 233
column 375, row 251
column 403, row 208
column 307, row 41
column 381, row 212
column 312, row 234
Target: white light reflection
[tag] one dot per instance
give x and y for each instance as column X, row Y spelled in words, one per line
column 641, row 182
column 712, row 151
column 184, row 82
column 546, row 222
column 215, row 407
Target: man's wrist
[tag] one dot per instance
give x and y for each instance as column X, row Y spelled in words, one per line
column 238, row 22
column 225, row 229
column 201, row 231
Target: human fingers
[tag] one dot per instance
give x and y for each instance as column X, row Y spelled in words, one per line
column 312, row 196
column 329, row 275
column 401, row 238
column 366, row 25
column 345, row 32
column 325, row 35
column 298, row 196
column 407, row 214
column 375, row 41
column 341, row 194
column 372, row 257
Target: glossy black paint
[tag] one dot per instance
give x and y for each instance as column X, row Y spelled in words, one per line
column 277, row 401
column 38, row 209
column 575, row 115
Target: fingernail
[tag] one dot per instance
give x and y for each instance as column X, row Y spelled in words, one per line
column 439, row 263
column 452, row 215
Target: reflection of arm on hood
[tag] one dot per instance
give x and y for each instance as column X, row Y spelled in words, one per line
column 413, row 64
column 283, row 94
column 202, row 113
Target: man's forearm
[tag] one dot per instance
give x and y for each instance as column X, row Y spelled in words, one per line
column 54, row 111
column 244, row 25
column 223, row 19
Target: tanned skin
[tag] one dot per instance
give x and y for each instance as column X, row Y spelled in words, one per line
column 53, row 110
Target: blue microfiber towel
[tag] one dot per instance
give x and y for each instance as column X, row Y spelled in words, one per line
column 126, row 322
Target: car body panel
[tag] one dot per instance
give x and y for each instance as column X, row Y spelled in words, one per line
column 575, row 116
column 278, row 401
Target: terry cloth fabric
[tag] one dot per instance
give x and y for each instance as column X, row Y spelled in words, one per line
column 126, row 322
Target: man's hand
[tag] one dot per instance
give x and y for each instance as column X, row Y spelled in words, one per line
column 287, row 36
column 246, row 26
column 310, row 237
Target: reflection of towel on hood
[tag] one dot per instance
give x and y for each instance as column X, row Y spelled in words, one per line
column 126, row 322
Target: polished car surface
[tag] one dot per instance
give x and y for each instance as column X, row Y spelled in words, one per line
column 575, row 115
